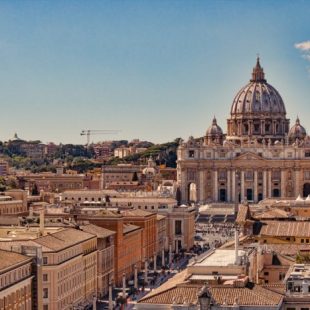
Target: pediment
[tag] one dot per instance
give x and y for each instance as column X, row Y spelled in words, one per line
column 249, row 156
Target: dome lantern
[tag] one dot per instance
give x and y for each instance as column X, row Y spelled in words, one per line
column 258, row 74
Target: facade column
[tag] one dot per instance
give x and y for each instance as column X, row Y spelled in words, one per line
column 163, row 257
column 255, row 186
column 242, row 186
column 136, row 277
column 145, row 272
column 283, row 194
column 269, row 183
column 110, row 296
column 215, row 186
column 124, row 285
column 233, row 187
column 264, row 184
column 297, row 189
column 228, row 186
column 201, row 190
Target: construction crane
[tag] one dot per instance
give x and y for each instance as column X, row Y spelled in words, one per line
column 91, row 132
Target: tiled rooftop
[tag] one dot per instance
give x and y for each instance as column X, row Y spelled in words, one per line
column 285, row 228
column 136, row 212
column 9, row 259
column 245, row 296
column 129, row 228
column 100, row 232
column 63, row 239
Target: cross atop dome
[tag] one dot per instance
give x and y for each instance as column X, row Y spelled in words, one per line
column 258, row 74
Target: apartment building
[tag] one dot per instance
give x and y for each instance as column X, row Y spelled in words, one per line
column 105, row 256
column 15, row 281
column 128, row 241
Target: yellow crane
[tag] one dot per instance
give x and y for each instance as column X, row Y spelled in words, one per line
column 91, row 132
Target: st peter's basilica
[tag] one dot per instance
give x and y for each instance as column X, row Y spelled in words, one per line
column 260, row 156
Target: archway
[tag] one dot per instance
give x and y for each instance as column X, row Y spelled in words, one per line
column 306, row 189
column 192, row 192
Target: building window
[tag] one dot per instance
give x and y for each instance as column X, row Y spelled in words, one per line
column 208, row 155
column 45, row 307
column 289, row 154
column 307, row 153
column 44, row 260
column 249, row 175
column 307, row 175
column 222, row 175
column 178, row 227
column 45, row 293
column 45, row 277
column 191, row 153
column 266, row 273
column 281, row 276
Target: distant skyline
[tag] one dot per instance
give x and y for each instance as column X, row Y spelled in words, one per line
column 156, row 70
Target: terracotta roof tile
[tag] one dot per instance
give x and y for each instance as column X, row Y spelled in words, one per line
column 285, row 228
column 63, row 239
column 243, row 214
column 9, row 259
column 245, row 296
column 100, row 232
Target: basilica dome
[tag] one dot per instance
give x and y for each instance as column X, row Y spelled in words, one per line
column 297, row 131
column 257, row 111
column 214, row 133
column 214, row 129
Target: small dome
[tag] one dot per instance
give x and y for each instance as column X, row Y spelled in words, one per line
column 297, row 131
column 214, row 129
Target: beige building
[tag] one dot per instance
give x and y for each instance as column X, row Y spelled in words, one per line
column 4, row 168
column 148, row 201
column 180, row 227
column 105, row 256
column 66, row 273
column 13, row 202
column 161, row 233
column 260, row 156
column 15, row 281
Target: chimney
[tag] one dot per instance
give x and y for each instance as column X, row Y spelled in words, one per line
column 236, row 247
column 42, row 219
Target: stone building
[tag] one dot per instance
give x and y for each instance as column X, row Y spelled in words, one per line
column 15, row 281
column 260, row 156
column 105, row 256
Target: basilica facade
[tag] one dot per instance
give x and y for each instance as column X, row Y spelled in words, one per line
column 260, row 156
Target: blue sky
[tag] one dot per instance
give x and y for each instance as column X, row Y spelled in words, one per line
column 156, row 70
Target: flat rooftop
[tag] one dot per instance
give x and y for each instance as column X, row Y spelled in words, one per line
column 220, row 257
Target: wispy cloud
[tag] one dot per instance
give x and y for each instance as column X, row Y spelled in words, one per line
column 303, row 46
